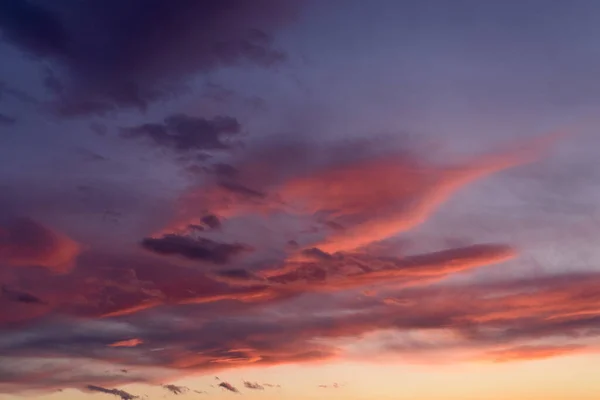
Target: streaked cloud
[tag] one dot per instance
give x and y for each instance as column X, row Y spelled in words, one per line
column 115, row 392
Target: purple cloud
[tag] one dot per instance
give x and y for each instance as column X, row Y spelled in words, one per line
column 113, row 53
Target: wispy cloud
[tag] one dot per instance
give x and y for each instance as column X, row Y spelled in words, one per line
column 532, row 352
column 175, row 389
column 253, row 385
column 115, row 392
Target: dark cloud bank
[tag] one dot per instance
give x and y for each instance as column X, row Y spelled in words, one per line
column 128, row 53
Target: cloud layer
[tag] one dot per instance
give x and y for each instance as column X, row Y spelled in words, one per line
column 321, row 261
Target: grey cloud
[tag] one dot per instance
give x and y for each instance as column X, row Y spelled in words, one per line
column 229, row 387
column 175, row 389
column 115, row 392
column 113, row 53
column 253, row 385
column 195, row 248
column 183, row 133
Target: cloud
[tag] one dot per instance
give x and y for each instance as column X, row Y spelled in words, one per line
column 183, row 133
column 398, row 189
column 107, row 286
column 270, row 385
column 24, row 242
column 532, row 352
column 195, row 248
column 332, row 386
column 127, row 343
column 382, row 206
column 211, row 221
column 238, row 277
column 176, row 389
column 6, row 120
column 285, row 304
column 18, row 296
column 160, row 44
column 347, row 271
column 15, row 93
column 491, row 321
column 228, row 386
column 115, row 392
column 253, row 385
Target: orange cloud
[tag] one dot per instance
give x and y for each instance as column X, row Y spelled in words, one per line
column 333, row 274
column 27, row 243
column 127, row 343
column 388, row 196
column 367, row 199
column 523, row 353
column 464, row 319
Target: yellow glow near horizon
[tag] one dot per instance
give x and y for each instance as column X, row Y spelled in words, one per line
column 563, row 378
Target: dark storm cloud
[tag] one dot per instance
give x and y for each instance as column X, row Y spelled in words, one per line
column 183, row 133
column 195, row 248
column 127, row 53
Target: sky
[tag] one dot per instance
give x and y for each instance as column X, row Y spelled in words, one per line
column 281, row 199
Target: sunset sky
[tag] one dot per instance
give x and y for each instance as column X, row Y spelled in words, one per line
column 277, row 199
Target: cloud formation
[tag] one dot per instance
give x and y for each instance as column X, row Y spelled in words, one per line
column 116, row 392
column 253, row 385
column 139, row 312
column 183, row 133
column 195, row 248
column 532, row 352
column 229, row 387
column 398, row 190
column 19, row 296
column 24, row 242
column 110, row 54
